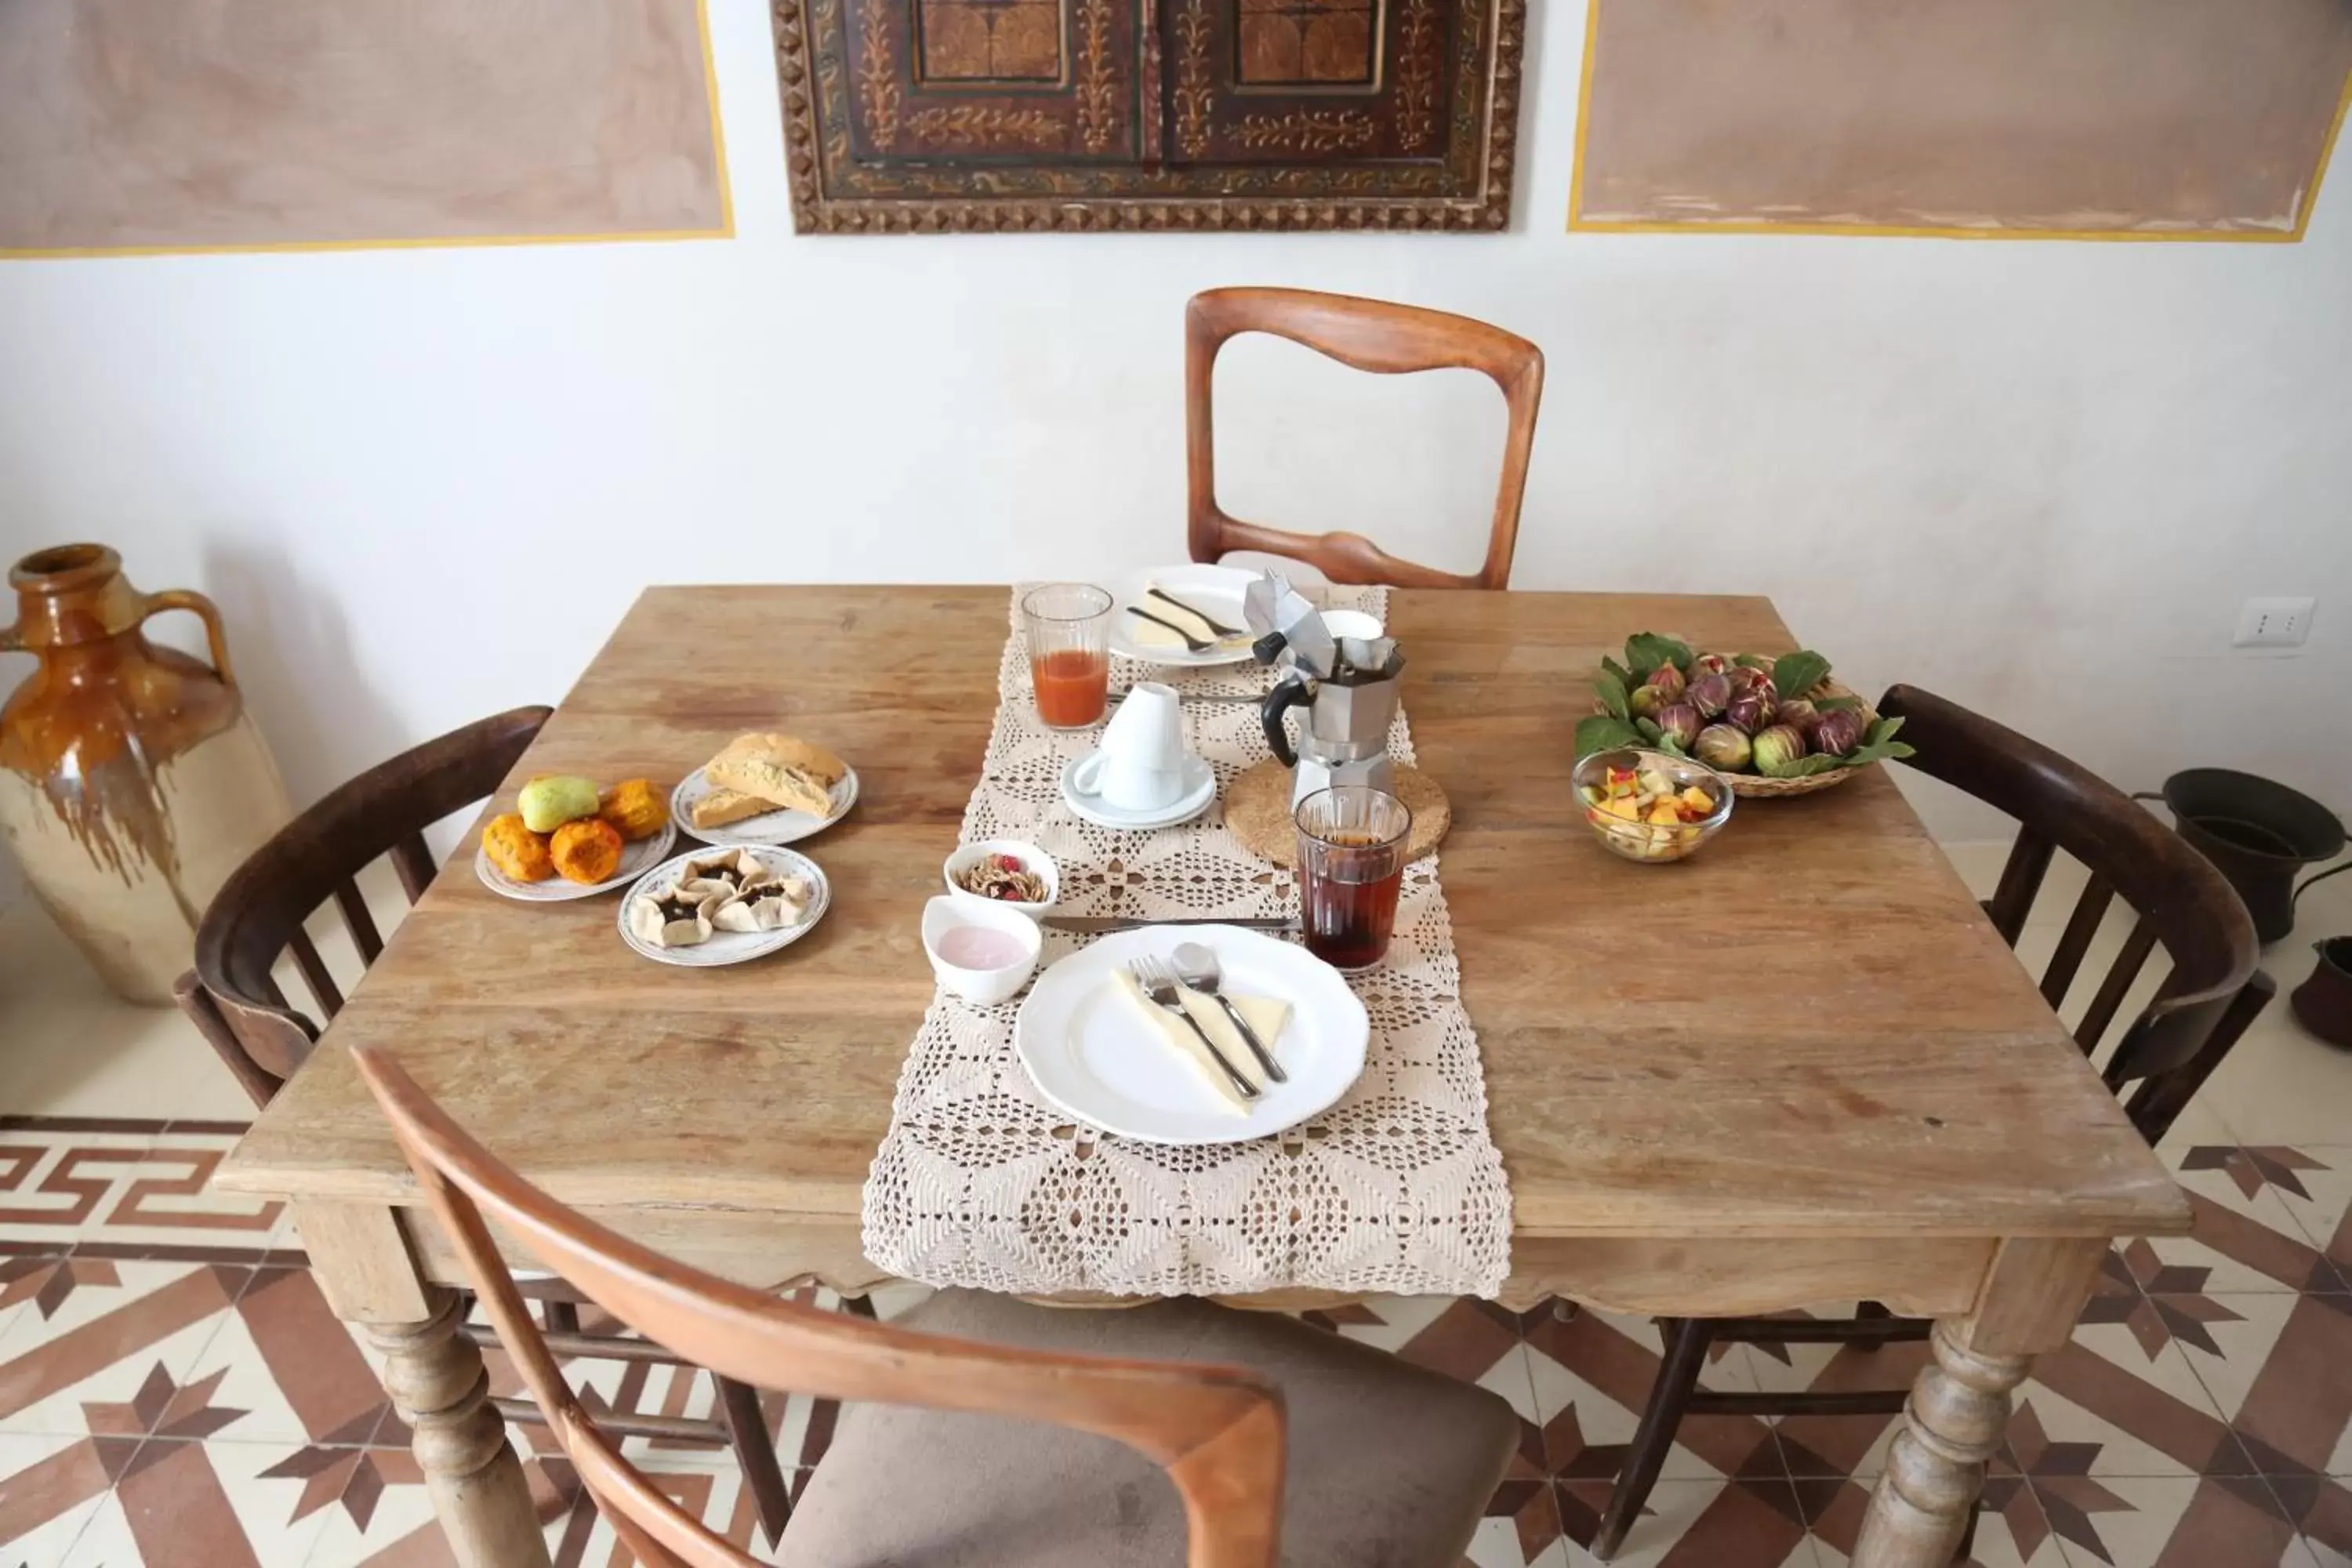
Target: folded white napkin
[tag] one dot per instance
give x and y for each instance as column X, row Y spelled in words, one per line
column 1152, row 633
column 1267, row 1017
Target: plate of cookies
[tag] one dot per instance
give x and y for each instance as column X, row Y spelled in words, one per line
column 723, row 906
column 568, row 839
column 764, row 789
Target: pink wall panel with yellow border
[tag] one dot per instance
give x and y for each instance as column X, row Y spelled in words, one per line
column 142, row 125
column 2078, row 118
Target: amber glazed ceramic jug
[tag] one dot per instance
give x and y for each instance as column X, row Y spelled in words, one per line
column 132, row 780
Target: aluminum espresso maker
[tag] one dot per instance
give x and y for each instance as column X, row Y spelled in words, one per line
column 1346, row 688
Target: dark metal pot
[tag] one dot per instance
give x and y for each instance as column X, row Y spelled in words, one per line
column 2258, row 832
column 2324, row 1002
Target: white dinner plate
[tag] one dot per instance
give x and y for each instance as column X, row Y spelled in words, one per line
column 1091, row 1056
column 636, row 861
column 729, row 946
column 1199, row 783
column 782, row 825
column 1217, row 590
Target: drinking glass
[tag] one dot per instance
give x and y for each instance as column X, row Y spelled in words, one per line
column 1069, row 652
column 1351, row 843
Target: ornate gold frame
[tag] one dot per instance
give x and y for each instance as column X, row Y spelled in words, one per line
column 1470, row 192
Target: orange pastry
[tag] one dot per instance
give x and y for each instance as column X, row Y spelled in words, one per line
column 517, row 851
column 637, row 807
column 587, row 850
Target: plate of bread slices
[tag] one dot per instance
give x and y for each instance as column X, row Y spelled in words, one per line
column 764, row 789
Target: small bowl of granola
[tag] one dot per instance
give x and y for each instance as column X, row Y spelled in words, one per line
column 1005, row 872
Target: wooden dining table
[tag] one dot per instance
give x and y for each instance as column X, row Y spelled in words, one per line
column 1799, row 1067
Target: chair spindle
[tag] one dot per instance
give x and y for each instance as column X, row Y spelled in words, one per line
column 314, row 974
column 414, row 861
column 2129, row 962
column 2021, row 879
column 2089, row 911
column 358, row 921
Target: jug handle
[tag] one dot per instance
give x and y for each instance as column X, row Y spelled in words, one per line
column 197, row 604
column 1287, row 694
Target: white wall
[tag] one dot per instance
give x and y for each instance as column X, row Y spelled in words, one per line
column 2035, row 476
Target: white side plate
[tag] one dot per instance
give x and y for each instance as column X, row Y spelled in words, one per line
column 636, row 861
column 730, row 946
column 1214, row 589
column 1091, row 1056
column 780, row 826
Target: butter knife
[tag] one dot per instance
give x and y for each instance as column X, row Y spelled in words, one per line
column 1099, row 925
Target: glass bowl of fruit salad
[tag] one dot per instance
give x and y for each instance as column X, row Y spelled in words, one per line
column 1649, row 807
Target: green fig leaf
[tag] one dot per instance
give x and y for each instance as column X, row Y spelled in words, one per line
column 1604, row 732
column 1794, row 674
column 1671, row 746
column 1649, row 651
column 1751, row 660
column 1650, row 730
column 1879, row 750
column 1613, row 695
column 1881, row 731
column 1619, row 670
column 1835, row 704
column 1803, row 768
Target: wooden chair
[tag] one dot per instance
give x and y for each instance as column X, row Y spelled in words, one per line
column 2170, row 1048
column 1015, row 1452
column 1371, row 335
column 236, row 1002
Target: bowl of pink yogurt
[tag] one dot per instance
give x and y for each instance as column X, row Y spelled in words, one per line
column 983, row 952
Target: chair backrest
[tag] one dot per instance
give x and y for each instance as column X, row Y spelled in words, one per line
column 1372, row 335
column 1217, row 1430
column 2179, row 902
column 258, row 916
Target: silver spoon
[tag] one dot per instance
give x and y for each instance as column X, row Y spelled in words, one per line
column 1196, row 966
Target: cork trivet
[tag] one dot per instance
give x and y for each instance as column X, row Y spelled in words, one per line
column 1257, row 811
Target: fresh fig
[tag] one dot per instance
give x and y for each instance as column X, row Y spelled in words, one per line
column 1776, row 748
column 1838, row 732
column 1681, row 721
column 1722, row 748
column 1666, row 679
column 1750, row 711
column 1710, row 694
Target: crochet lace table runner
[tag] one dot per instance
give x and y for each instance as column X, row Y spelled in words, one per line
column 979, row 1182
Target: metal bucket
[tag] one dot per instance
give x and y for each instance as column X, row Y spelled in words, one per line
column 2258, row 832
column 2324, row 1002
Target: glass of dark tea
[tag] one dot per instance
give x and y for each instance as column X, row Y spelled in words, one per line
column 1069, row 652
column 1351, row 843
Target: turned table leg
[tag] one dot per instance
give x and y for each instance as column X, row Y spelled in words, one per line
column 438, row 1385
column 435, row 1379
column 1959, row 1403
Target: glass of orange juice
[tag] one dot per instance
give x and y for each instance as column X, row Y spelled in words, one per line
column 1069, row 652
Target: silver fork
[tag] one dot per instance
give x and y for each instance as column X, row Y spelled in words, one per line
column 1192, row 643
column 1158, row 983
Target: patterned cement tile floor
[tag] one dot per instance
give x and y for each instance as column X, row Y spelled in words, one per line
column 175, row 1394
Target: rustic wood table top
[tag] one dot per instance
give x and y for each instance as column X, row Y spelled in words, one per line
column 1809, row 1030
column 1799, row 1068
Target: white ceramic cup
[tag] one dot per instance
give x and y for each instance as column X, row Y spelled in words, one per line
column 1350, row 624
column 1140, row 766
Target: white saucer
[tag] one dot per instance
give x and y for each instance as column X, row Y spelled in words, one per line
column 1199, row 789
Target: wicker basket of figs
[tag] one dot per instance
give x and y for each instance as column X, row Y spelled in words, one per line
column 1772, row 725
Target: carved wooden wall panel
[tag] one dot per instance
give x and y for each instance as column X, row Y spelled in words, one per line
column 927, row 115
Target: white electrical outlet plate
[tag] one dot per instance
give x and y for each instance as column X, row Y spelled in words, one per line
column 2273, row 622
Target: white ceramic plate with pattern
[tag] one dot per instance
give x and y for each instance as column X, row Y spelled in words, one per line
column 726, row 947
column 782, row 825
column 1214, row 591
column 1089, row 1054
column 636, row 861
